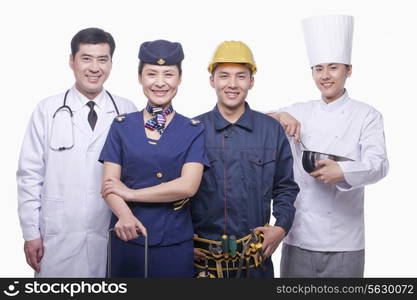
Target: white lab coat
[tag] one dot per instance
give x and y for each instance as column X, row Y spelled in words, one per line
column 330, row 217
column 59, row 191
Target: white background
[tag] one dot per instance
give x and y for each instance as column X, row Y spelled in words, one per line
column 34, row 51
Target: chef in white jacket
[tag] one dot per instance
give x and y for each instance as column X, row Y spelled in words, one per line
column 327, row 236
column 63, row 217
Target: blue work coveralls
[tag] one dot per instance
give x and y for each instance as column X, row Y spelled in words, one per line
column 250, row 165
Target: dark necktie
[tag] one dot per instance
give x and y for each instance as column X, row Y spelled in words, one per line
column 92, row 115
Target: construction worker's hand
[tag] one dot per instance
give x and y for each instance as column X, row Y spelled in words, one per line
column 198, row 255
column 34, row 253
column 273, row 235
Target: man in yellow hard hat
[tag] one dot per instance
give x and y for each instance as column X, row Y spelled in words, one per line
column 251, row 164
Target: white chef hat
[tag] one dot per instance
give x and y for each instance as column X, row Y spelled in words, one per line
column 328, row 39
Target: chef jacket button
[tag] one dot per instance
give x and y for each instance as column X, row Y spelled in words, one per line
column 159, row 175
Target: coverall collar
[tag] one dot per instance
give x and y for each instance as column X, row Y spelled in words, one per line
column 245, row 121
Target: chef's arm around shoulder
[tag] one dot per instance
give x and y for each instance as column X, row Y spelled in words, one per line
column 373, row 163
column 182, row 187
column 289, row 122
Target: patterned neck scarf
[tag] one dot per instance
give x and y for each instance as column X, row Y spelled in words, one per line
column 158, row 121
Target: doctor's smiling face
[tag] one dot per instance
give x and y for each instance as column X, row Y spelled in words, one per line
column 330, row 79
column 160, row 83
column 91, row 65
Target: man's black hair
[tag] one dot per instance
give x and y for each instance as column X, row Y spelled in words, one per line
column 92, row 36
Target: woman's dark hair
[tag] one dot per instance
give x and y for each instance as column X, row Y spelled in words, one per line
column 142, row 64
column 92, row 36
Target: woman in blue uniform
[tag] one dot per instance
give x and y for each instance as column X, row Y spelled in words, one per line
column 153, row 162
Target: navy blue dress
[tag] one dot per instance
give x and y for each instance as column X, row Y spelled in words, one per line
column 146, row 163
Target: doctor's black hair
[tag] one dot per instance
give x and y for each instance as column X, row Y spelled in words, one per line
column 92, row 36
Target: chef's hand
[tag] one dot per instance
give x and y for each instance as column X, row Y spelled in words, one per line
column 291, row 125
column 34, row 253
column 128, row 226
column 329, row 172
column 115, row 186
column 273, row 235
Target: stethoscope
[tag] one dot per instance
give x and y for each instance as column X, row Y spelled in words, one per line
column 65, row 108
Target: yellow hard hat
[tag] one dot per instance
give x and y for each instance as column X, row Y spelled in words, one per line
column 233, row 52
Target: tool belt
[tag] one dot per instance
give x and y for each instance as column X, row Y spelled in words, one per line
column 229, row 255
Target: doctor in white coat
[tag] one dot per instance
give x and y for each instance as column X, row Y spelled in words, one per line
column 62, row 214
column 327, row 237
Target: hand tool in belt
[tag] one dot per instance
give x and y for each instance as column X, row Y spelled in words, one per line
column 216, row 251
column 225, row 249
column 232, row 248
column 251, row 245
column 206, row 273
column 242, row 256
column 256, row 249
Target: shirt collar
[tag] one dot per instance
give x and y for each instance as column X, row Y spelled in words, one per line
column 245, row 121
column 84, row 100
column 335, row 104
